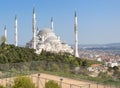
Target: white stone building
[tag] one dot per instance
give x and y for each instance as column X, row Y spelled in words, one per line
column 48, row 41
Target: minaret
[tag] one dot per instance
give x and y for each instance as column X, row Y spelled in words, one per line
column 76, row 35
column 16, row 31
column 52, row 24
column 5, row 34
column 34, row 29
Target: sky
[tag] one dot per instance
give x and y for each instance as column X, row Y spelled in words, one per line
column 98, row 20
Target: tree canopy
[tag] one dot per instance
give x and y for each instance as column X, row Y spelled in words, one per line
column 13, row 54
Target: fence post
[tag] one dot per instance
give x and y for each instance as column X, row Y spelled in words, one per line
column 110, row 85
column 6, row 81
column 89, row 85
column 38, row 79
column 97, row 85
column 61, row 79
column 104, row 85
column 45, row 80
column 70, row 85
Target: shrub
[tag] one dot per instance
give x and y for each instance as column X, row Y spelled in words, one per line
column 23, row 82
column 66, row 68
column 51, row 84
column 2, row 86
column 54, row 67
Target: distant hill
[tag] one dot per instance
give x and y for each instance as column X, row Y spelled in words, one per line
column 110, row 46
column 117, row 45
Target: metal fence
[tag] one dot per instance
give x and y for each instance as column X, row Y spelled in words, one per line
column 40, row 82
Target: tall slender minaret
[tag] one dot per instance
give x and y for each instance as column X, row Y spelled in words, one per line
column 34, row 29
column 52, row 24
column 16, row 31
column 5, row 34
column 76, row 35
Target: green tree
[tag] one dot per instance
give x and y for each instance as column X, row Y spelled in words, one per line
column 84, row 63
column 102, row 75
column 54, row 67
column 51, row 84
column 3, row 39
column 23, row 82
column 115, row 68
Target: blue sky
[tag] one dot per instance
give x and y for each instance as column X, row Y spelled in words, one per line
column 98, row 20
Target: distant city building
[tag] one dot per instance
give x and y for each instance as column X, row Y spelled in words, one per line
column 111, row 64
column 99, row 59
column 118, row 63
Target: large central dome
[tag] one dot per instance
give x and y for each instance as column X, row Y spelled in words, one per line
column 45, row 31
column 47, row 35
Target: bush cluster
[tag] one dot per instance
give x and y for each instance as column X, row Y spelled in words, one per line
column 26, row 82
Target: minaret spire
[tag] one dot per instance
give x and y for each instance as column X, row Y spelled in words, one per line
column 52, row 24
column 34, row 29
column 16, row 31
column 76, row 35
column 5, row 34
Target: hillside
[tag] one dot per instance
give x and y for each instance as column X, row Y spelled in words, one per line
column 21, row 60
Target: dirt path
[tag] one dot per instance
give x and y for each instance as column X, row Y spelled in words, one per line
column 66, row 82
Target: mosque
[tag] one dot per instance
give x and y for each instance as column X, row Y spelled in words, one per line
column 47, row 40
